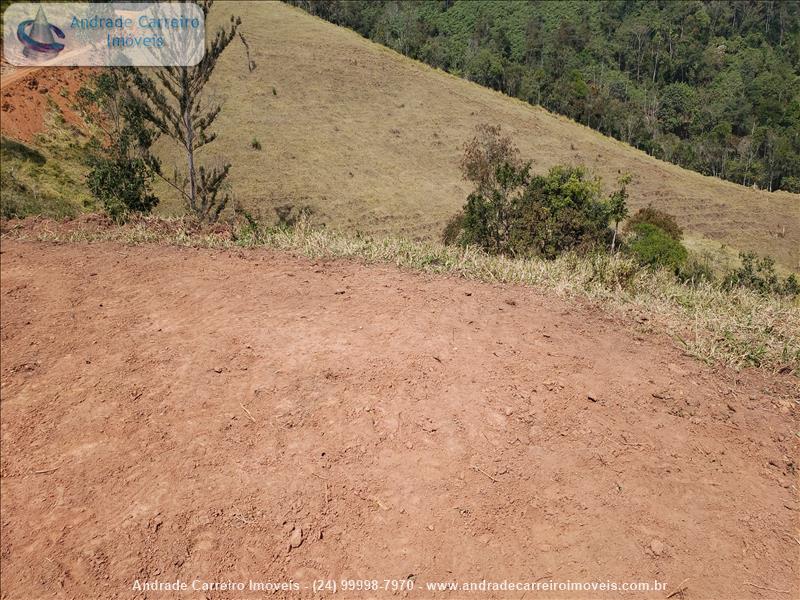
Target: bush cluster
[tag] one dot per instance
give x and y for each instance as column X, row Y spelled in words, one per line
column 759, row 274
column 511, row 212
column 544, row 215
column 655, row 247
column 514, row 213
column 652, row 216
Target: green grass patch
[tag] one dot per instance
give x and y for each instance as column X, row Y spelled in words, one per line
column 47, row 177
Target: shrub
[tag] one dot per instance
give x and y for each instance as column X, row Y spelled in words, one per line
column 452, row 230
column 759, row 274
column 654, row 247
column 664, row 221
column 490, row 216
column 255, row 144
column 545, row 215
column 491, row 163
column 509, row 212
column 561, row 211
column 122, row 184
column 121, row 166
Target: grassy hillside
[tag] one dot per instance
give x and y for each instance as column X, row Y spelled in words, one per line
column 371, row 141
column 711, row 86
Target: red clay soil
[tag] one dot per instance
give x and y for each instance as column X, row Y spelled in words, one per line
column 180, row 414
column 24, row 97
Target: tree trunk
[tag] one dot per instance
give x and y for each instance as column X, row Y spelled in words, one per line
column 655, row 67
column 189, row 137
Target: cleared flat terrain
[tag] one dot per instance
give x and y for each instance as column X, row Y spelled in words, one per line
column 372, row 140
column 173, row 413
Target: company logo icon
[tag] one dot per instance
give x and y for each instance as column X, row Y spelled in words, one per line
column 37, row 37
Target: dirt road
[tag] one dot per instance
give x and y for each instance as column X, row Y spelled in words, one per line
column 12, row 75
column 176, row 414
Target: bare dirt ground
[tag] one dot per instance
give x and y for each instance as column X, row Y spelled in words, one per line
column 27, row 92
column 176, row 413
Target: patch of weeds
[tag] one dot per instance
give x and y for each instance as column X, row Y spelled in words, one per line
column 19, row 200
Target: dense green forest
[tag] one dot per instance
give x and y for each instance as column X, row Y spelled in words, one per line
column 712, row 86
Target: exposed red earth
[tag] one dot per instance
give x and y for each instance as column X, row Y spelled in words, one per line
column 184, row 414
column 25, row 93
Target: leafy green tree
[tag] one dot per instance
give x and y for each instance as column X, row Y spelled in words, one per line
column 618, row 206
column 121, row 166
column 677, row 110
column 486, row 68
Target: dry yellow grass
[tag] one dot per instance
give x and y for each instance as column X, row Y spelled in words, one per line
column 372, row 140
column 736, row 327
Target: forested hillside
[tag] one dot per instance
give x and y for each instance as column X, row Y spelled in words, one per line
column 711, row 86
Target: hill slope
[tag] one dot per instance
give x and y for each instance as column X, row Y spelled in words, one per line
column 712, row 86
column 371, row 140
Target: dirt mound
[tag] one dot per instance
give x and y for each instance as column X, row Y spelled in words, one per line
column 174, row 413
column 26, row 96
